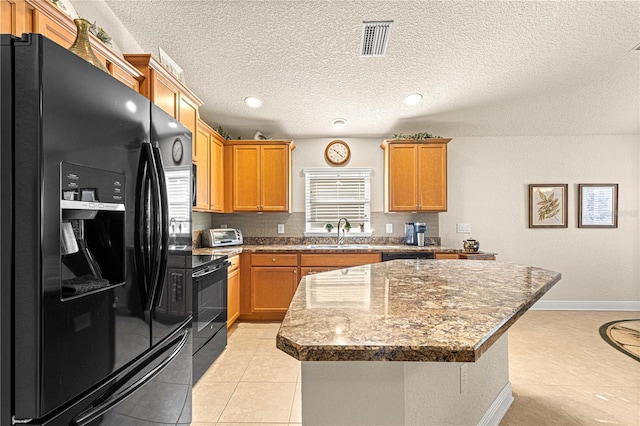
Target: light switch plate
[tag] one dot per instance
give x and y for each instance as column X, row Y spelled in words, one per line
column 463, row 228
column 281, row 228
column 389, row 228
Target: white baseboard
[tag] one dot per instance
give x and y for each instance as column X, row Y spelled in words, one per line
column 586, row 305
column 498, row 408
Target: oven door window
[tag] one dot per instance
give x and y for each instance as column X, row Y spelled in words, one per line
column 210, row 303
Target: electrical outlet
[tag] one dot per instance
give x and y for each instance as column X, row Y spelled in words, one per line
column 463, row 228
column 224, row 225
column 281, row 228
column 464, row 376
column 389, row 228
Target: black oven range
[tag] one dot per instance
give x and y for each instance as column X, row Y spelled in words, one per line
column 209, row 276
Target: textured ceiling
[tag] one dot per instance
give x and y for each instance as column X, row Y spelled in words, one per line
column 484, row 68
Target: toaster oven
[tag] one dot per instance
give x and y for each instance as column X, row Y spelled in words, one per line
column 221, row 237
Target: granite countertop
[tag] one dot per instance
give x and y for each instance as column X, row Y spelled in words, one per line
column 409, row 310
column 294, row 248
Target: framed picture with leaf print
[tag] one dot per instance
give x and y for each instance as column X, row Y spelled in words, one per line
column 548, row 205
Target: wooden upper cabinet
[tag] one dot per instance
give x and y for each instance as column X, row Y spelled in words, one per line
column 403, row 184
column 216, row 173
column 43, row 17
column 274, row 178
column 166, row 91
column 6, row 17
column 415, row 175
column 188, row 112
column 53, row 30
column 165, row 95
column 432, row 177
column 260, row 176
column 201, row 160
column 246, row 178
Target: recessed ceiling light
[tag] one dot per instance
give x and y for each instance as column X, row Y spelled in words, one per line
column 413, row 99
column 253, row 102
column 339, row 123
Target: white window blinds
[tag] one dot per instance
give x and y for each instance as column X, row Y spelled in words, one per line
column 331, row 194
column 179, row 195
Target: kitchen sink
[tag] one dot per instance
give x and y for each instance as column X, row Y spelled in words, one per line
column 339, row 246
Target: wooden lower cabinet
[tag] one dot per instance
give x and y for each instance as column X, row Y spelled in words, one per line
column 446, row 255
column 233, row 290
column 272, row 288
column 268, row 282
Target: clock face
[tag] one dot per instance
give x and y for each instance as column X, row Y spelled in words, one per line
column 337, row 152
column 177, row 151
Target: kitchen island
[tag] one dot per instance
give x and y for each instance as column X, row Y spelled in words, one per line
column 409, row 341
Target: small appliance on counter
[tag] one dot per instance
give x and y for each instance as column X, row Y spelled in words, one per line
column 415, row 233
column 409, row 229
column 221, row 237
column 421, row 230
column 471, row 245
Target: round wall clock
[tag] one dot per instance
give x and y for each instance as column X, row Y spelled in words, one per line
column 337, row 152
column 177, row 151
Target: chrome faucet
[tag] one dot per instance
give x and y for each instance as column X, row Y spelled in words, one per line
column 172, row 226
column 346, row 223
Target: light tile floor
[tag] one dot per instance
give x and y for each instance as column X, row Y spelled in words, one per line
column 562, row 372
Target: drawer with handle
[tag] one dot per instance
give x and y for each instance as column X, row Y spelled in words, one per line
column 272, row 259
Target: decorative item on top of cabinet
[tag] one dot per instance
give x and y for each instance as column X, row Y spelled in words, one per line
column 82, row 46
column 258, row 175
column 43, row 17
column 415, row 175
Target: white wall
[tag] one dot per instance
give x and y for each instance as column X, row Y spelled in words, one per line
column 364, row 153
column 488, row 188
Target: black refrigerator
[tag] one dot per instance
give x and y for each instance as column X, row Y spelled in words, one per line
column 93, row 178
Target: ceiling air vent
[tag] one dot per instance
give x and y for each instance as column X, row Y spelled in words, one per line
column 375, row 37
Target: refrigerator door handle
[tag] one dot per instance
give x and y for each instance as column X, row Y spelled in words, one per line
column 164, row 225
column 147, row 225
column 115, row 396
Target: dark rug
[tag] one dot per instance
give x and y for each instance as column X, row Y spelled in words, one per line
column 624, row 335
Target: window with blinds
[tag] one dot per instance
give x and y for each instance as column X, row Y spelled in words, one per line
column 179, row 195
column 331, row 194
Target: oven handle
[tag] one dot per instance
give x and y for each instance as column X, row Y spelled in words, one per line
column 210, row 269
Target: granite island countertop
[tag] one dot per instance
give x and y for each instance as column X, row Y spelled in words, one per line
column 409, row 310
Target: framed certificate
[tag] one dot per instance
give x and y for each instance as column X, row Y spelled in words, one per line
column 598, row 205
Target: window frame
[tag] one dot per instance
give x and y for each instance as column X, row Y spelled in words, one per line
column 318, row 173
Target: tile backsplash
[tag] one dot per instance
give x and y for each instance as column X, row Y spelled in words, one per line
column 254, row 225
